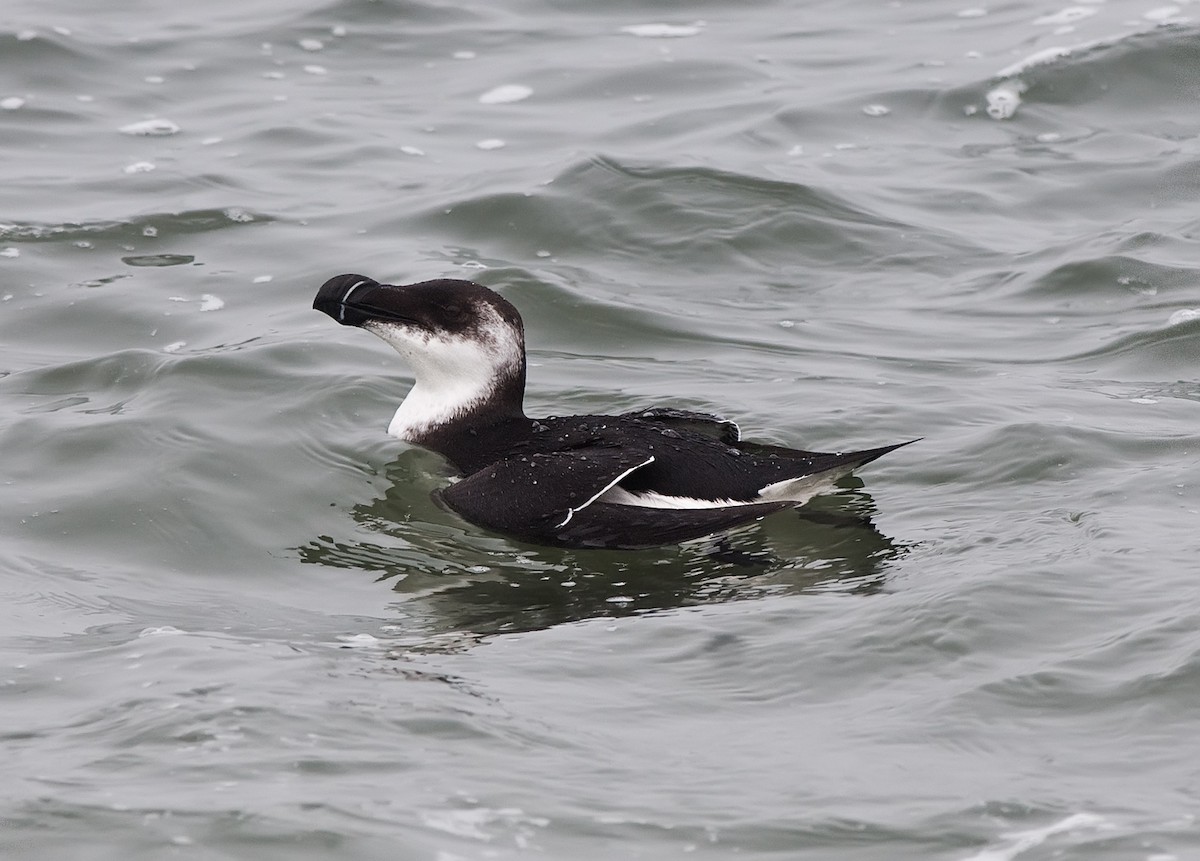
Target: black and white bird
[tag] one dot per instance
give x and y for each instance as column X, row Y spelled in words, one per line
column 638, row 479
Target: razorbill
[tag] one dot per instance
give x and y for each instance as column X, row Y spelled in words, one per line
column 638, row 479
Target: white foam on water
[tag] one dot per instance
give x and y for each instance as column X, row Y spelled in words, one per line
column 174, row 346
column 471, row 822
column 463, row 55
column 209, row 302
column 506, row 94
column 490, row 143
column 1183, row 315
column 1023, row 841
column 876, row 110
column 262, row 279
column 11, row 103
column 1037, row 58
column 10, row 251
column 663, row 31
column 976, row 12
column 1136, row 285
column 311, row 44
column 1069, row 15
column 359, row 641
column 1003, row 101
column 26, row 35
column 1162, row 13
column 155, row 127
column 139, row 167
column 314, row 69
column 412, row 150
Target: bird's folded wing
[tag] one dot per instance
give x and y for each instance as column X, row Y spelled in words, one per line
column 720, row 429
column 556, row 499
column 535, row 494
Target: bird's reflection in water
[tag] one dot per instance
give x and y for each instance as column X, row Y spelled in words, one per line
column 456, row 579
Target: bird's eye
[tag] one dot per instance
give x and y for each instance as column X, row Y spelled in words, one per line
column 454, row 312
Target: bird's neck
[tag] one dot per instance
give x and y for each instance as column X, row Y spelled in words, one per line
column 444, row 408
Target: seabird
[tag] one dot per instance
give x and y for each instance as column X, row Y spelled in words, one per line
column 638, row 479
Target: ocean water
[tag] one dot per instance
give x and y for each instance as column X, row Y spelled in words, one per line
column 233, row 623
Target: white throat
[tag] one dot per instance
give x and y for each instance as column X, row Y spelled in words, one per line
column 426, row 407
column 455, row 374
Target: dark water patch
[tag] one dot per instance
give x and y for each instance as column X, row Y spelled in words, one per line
column 1080, row 311
column 1144, row 392
column 688, row 220
column 122, row 374
column 634, row 86
column 808, row 834
column 100, row 282
column 1136, row 72
column 137, row 229
column 1106, row 84
column 55, row 406
column 1176, row 250
column 1134, row 679
column 32, row 232
column 1103, row 279
column 387, row 13
column 1168, row 353
column 1038, row 454
column 158, row 260
column 48, row 60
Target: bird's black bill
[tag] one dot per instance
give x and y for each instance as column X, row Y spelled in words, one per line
column 348, row 299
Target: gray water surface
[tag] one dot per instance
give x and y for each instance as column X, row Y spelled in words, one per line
column 235, row 625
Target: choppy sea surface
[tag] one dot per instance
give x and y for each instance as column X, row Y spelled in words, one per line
column 232, row 622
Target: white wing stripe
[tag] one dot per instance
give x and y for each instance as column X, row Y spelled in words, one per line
column 603, row 490
column 797, row 491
